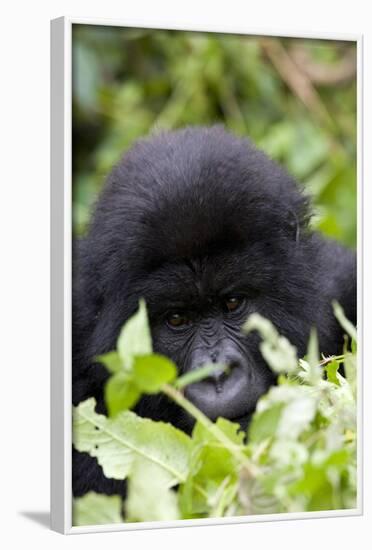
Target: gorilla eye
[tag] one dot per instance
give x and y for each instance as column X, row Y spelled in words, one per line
column 176, row 320
column 233, row 303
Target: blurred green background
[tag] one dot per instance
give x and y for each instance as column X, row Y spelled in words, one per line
column 296, row 98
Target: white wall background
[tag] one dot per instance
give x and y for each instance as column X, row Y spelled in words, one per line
column 24, row 271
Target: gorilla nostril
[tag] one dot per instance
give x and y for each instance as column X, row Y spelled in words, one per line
column 233, row 365
column 219, row 377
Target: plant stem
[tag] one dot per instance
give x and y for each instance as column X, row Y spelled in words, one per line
column 331, row 358
column 178, row 398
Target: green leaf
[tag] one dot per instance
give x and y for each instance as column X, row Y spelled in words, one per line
column 277, row 351
column 96, row 509
column 214, row 470
column 318, row 481
column 215, row 463
column 213, row 474
column 118, row 442
column 151, row 372
column 313, row 360
column 350, row 364
column 264, row 424
column 297, row 416
column 147, row 375
column 224, row 497
column 344, row 322
column 300, row 453
column 93, row 434
column 332, row 370
column 121, row 393
column 231, row 429
column 112, row 361
column 289, row 453
column 149, row 495
column 314, row 481
column 135, row 337
column 299, row 405
column 313, row 348
column 201, row 435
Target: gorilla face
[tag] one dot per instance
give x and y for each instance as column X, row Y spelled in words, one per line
column 197, row 305
column 196, row 318
column 208, row 230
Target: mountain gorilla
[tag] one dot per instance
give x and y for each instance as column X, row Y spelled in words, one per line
column 207, row 229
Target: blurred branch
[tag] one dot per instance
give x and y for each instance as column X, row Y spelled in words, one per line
column 325, row 73
column 298, row 81
column 229, row 103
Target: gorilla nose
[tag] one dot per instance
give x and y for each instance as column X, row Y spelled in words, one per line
column 224, row 392
column 220, row 374
column 226, row 362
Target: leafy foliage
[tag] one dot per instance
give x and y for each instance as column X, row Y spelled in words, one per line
column 135, row 369
column 299, row 453
column 130, row 82
column 154, row 456
column 95, row 509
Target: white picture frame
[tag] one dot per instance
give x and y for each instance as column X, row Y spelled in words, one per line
column 61, row 268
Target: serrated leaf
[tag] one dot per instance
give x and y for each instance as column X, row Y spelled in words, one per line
column 118, row 442
column 96, row 509
column 231, row 429
column 151, row 372
column 135, row 337
column 92, row 434
column 201, row 435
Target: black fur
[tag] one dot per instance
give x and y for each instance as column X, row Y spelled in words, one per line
column 184, row 216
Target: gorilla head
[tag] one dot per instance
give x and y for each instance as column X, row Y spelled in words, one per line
column 208, row 230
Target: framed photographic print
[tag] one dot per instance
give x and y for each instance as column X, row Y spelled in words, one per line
column 205, row 289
